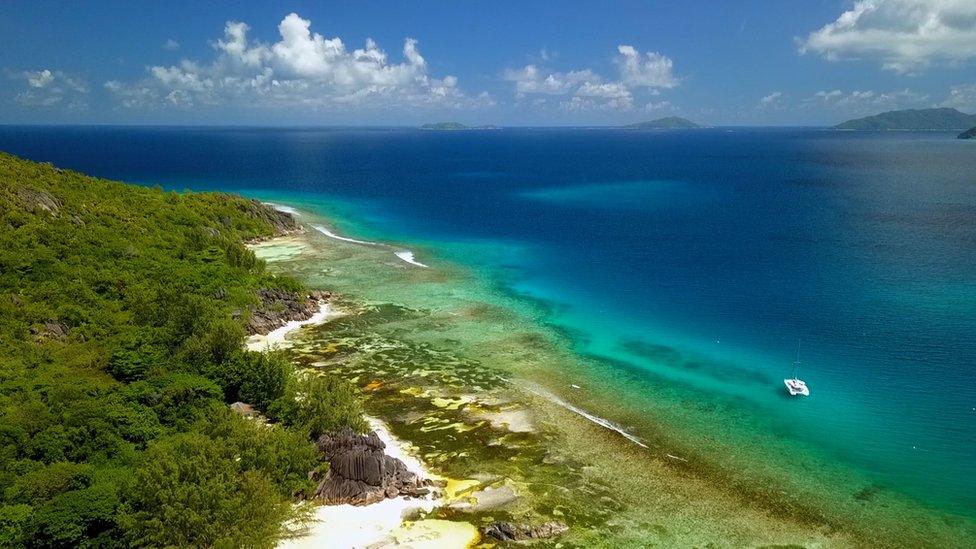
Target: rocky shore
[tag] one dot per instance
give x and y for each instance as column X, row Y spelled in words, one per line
column 360, row 472
column 279, row 307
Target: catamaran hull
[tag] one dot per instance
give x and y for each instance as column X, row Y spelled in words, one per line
column 796, row 389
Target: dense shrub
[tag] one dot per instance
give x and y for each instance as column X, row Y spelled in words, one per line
column 318, row 404
column 119, row 351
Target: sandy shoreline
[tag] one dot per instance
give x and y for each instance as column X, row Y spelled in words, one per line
column 276, row 339
column 381, row 524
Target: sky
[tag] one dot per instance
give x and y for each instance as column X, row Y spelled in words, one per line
column 524, row 63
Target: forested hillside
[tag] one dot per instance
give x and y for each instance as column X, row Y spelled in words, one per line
column 121, row 332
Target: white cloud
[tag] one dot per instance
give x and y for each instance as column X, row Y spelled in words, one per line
column 608, row 90
column 590, row 91
column 657, row 106
column 904, row 35
column 47, row 88
column 652, row 70
column 771, row 100
column 869, row 99
column 171, row 45
column 530, row 80
column 580, row 103
column 961, row 97
column 303, row 69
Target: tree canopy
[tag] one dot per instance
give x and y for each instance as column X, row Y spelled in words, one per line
column 121, row 343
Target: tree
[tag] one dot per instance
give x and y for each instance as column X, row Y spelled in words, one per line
column 190, row 491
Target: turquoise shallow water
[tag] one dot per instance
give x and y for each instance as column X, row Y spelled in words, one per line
column 695, row 259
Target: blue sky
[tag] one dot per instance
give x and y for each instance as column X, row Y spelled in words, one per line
column 512, row 63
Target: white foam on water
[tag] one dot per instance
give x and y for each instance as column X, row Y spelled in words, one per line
column 276, row 338
column 331, row 234
column 606, row 423
column 286, row 209
column 407, row 256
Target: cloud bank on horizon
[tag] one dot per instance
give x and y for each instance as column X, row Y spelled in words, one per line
column 905, row 36
column 583, row 89
column 303, row 71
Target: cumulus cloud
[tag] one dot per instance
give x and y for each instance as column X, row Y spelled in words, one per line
column 651, row 70
column 862, row 99
column 531, row 80
column 771, row 100
column 303, row 69
column 47, row 88
column 961, row 97
column 171, row 45
column 657, row 106
column 588, row 90
column 904, row 35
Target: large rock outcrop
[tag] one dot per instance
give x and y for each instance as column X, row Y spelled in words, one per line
column 360, row 472
column 510, row 531
column 279, row 307
column 282, row 222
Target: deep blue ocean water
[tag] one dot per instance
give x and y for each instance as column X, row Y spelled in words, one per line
column 729, row 245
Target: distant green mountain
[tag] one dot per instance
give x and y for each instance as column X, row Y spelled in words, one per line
column 968, row 134
column 452, row 126
column 671, row 122
column 913, row 119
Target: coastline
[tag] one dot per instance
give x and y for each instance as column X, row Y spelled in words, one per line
column 720, row 505
column 384, row 522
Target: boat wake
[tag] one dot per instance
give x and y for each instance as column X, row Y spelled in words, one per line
column 605, row 423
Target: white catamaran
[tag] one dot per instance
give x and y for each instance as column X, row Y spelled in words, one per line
column 795, row 385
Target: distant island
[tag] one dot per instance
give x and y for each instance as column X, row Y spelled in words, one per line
column 968, row 134
column 455, row 126
column 913, row 119
column 669, row 123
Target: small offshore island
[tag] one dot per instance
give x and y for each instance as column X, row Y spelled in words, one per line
column 454, row 126
column 667, row 123
column 940, row 119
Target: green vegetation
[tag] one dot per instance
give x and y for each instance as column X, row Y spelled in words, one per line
column 968, row 134
column 121, row 343
column 669, row 123
column 913, row 119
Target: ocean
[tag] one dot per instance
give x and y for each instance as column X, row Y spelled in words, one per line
column 686, row 266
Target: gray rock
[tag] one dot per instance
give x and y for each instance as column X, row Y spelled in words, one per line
column 35, row 199
column 244, row 409
column 511, row 531
column 282, row 222
column 278, row 307
column 360, row 472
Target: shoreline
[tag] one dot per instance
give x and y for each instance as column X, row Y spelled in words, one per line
column 350, row 526
column 277, row 338
column 385, row 522
column 687, row 469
